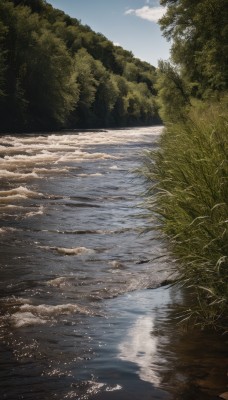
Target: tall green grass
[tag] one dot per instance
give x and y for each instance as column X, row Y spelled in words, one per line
column 187, row 197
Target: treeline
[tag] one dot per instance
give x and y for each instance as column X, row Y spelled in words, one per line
column 187, row 176
column 199, row 55
column 57, row 73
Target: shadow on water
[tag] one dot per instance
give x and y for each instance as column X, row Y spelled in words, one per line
column 195, row 360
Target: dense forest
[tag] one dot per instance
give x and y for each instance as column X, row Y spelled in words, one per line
column 187, row 177
column 57, row 73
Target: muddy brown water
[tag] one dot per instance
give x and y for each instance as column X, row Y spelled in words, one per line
column 83, row 314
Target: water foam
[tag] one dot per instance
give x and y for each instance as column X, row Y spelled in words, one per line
column 19, row 176
column 74, row 251
column 20, row 191
column 90, row 175
column 39, row 211
column 44, row 310
column 29, row 160
column 8, row 229
column 30, row 315
column 49, row 171
column 58, row 282
column 117, row 264
column 20, row 319
column 91, row 388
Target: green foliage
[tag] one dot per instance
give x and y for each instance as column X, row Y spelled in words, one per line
column 199, row 32
column 187, row 176
column 52, row 87
column 106, row 96
column 40, row 80
column 173, row 94
column 119, row 112
column 87, row 87
column 55, row 72
column 187, row 197
column 130, row 72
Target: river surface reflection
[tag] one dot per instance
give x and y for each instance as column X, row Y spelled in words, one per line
column 82, row 313
column 139, row 347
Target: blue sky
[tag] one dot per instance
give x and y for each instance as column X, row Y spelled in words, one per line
column 131, row 24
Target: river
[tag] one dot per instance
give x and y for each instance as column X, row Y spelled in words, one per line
column 83, row 313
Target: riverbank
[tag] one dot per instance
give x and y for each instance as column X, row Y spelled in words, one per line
column 187, row 201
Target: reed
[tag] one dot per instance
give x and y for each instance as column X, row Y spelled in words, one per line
column 187, row 202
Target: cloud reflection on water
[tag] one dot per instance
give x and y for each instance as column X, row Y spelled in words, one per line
column 140, row 347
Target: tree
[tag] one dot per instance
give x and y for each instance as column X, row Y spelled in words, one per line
column 87, row 84
column 119, row 111
column 3, row 54
column 199, row 32
column 56, row 72
column 13, row 107
column 130, row 72
column 34, row 5
column 173, row 94
column 41, row 87
column 51, row 85
column 106, row 94
column 187, row 174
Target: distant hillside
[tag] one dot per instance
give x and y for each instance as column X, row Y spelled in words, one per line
column 57, row 73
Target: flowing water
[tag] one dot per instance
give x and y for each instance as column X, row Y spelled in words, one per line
column 83, row 313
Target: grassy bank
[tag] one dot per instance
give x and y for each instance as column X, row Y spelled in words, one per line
column 187, row 196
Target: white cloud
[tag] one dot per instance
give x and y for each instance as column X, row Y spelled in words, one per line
column 152, row 14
